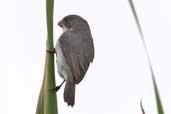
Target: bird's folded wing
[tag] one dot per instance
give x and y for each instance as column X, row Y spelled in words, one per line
column 78, row 53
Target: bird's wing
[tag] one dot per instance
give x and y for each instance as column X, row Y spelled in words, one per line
column 78, row 53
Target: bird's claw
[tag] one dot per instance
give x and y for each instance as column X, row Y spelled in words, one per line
column 51, row 51
column 57, row 87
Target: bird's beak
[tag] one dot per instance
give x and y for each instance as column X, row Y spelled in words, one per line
column 61, row 23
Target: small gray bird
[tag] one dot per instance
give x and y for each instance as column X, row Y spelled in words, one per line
column 74, row 50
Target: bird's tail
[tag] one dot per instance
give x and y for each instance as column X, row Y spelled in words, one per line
column 69, row 93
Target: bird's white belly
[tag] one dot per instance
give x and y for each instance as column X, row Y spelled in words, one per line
column 63, row 68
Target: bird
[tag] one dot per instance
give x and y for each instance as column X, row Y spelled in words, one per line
column 74, row 53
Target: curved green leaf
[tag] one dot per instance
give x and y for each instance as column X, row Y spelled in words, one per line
column 158, row 101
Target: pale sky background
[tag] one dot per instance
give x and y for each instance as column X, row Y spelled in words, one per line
column 119, row 76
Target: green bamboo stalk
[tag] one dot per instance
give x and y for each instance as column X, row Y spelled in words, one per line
column 47, row 102
column 158, row 100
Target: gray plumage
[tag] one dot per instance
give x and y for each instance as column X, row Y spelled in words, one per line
column 75, row 51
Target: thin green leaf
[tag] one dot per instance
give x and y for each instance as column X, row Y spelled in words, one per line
column 135, row 16
column 158, row 101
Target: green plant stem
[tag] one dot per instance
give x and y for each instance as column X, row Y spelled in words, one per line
column 47, row 102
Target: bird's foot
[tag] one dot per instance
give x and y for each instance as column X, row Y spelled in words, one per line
column 51, row 51
column 57, row 87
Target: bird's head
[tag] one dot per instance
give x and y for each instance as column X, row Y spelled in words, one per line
column 73, row 22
